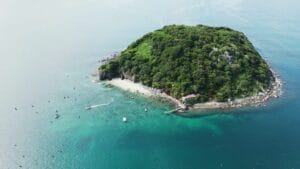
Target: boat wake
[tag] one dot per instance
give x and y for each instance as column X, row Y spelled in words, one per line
column 97, row 105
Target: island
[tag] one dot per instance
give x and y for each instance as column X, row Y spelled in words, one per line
column 194, row 67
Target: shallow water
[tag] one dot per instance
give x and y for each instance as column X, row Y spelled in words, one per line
column 48, row 50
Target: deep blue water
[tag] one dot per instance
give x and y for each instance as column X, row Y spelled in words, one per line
column 43, row 41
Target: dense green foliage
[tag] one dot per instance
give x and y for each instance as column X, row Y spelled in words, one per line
column 213, row 62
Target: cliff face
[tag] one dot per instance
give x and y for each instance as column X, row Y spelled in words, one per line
column 129, row 77
column 109, row 70
column 104, row 75
column 214, row 63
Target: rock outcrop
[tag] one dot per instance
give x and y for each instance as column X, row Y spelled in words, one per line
column 103, row 75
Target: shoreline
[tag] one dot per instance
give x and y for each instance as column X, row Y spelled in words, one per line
column 139, row 88
column 274, row 91
column 259, row 99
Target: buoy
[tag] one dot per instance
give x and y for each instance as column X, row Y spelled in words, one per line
column 124, row 119
column 146, row 109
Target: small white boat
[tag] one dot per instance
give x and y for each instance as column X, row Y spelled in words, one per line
column 124, row 119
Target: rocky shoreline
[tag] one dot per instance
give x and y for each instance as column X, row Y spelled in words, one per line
column 258, row 100
column 126, row 83
column 274, row 91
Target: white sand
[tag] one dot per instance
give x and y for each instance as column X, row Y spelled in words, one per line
column 131, row 86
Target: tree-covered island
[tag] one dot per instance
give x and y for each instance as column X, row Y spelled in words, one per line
column 201, row 62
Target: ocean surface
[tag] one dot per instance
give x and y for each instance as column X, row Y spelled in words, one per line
column 50, row 48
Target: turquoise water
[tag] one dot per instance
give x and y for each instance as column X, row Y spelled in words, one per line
column 43, row 41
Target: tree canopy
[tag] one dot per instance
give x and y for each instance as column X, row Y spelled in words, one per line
column 215, row 63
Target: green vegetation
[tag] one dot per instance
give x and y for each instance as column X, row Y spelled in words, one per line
column 213, row 62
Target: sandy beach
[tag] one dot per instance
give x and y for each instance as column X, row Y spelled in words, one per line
column 257, row 100
column 128, row 85
column 138, row 88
